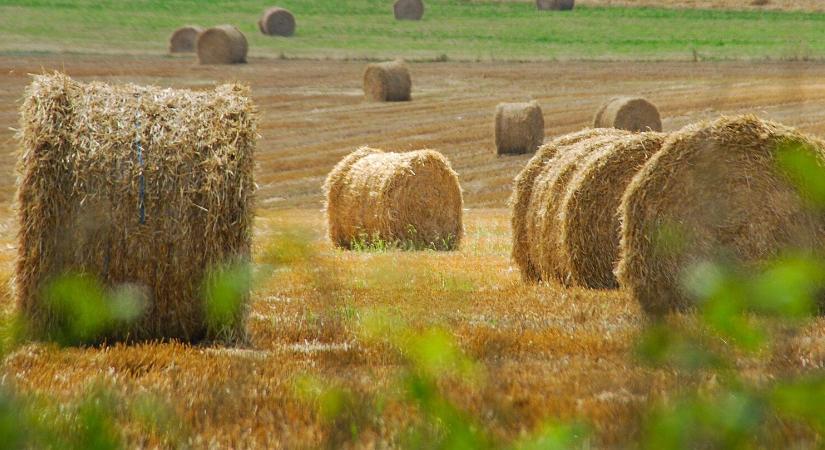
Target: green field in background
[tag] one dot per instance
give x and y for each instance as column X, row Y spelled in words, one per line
column 459, row 29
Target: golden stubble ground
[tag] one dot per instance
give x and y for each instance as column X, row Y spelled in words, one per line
column 546, row 353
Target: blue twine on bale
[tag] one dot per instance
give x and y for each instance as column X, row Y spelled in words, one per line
column 141, row 180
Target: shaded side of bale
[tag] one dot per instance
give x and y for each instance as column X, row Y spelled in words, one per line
column 82, row 185
column 555, row 5
column 588, row 213
column 277, row 22
column 387, row 82
column 520, row 201
column 408, row 9
column 519, row 128
column 714, row 192
column 223, row 44
column 628, row 113
column 184, row 39
column 408, row 199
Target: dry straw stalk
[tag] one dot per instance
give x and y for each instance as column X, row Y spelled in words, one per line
column 714, row 192
column 161, row 215
column 412, row 200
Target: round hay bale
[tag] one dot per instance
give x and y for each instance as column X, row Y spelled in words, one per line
column 588, row 213
column 184, row 39
column 408, row 9
column 223, row 44
column 555, row 5
column 412, row 200
column 277, row 22
column 519, row 128
column 628, row 113
column 522, row 200
column 159, row 225
column 387, row 82
column 713, row 192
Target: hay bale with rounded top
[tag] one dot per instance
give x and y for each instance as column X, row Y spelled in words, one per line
column 277, row 22
column 519, row 128
column 387, row 82
column 555, row 5
column 144, row 189
column 408, row 9
column 223, row 44
column 184, row 39
column 588, row 212
column 628, row 113
column 411, row 200
column 527, row 200
column 714, row 191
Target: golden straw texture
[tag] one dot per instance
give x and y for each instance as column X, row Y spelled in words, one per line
column 83, row 180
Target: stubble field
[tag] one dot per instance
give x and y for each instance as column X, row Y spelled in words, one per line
column 543, row 353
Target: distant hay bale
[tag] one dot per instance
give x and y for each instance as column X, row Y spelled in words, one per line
column 184, row 39
column 223, row 44
column 555, row 5
column 387, row 82
column 277, row 22
column 408, row 199
column 714, row 191
column 135, row 186
column 628, row 113
column 408, row 9
column 519, row 127
column 525, row 202
column 588, row 219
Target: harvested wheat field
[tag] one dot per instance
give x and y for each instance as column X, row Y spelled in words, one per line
column 324, row 365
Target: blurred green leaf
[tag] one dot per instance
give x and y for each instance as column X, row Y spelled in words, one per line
column 555, row 437
column 802, row 399
column 435, row 352
column 663, row 344
column 788, row 288
column 728, row 420
column 445, row 425
column 80, row 308
column 13, row 426
column 96, row 427
column 805, row 169
column 226, row 291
